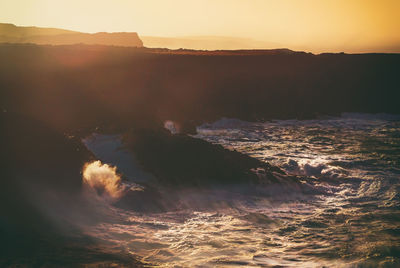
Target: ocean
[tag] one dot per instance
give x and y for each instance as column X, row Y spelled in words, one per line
column 342, row 211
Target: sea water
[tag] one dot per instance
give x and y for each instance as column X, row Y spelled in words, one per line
column 350, row 216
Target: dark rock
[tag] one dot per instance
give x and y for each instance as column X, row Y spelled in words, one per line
column 181, row 160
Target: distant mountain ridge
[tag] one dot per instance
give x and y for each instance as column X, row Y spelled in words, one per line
column 206, row 43
column 10, row 33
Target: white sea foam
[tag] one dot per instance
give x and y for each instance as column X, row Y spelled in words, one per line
column 348, row 217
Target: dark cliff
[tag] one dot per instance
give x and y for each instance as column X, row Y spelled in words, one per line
column 10, row 33
column 76, row 87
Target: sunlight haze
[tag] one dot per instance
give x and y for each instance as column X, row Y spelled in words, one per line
column 311, row 25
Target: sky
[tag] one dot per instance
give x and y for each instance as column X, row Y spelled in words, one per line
column 311, row 25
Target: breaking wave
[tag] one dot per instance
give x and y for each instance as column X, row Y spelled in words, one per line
column 104, row 180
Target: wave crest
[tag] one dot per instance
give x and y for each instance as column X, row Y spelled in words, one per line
column 103, row 179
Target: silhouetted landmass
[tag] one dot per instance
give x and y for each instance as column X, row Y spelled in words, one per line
column 83, row 87
column 10, row 33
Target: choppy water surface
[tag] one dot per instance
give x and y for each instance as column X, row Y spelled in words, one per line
column 351, row 216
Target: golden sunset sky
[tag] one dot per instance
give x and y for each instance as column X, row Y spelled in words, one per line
column 311, row 25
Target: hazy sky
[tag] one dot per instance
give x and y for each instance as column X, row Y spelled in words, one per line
column 314, row 25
